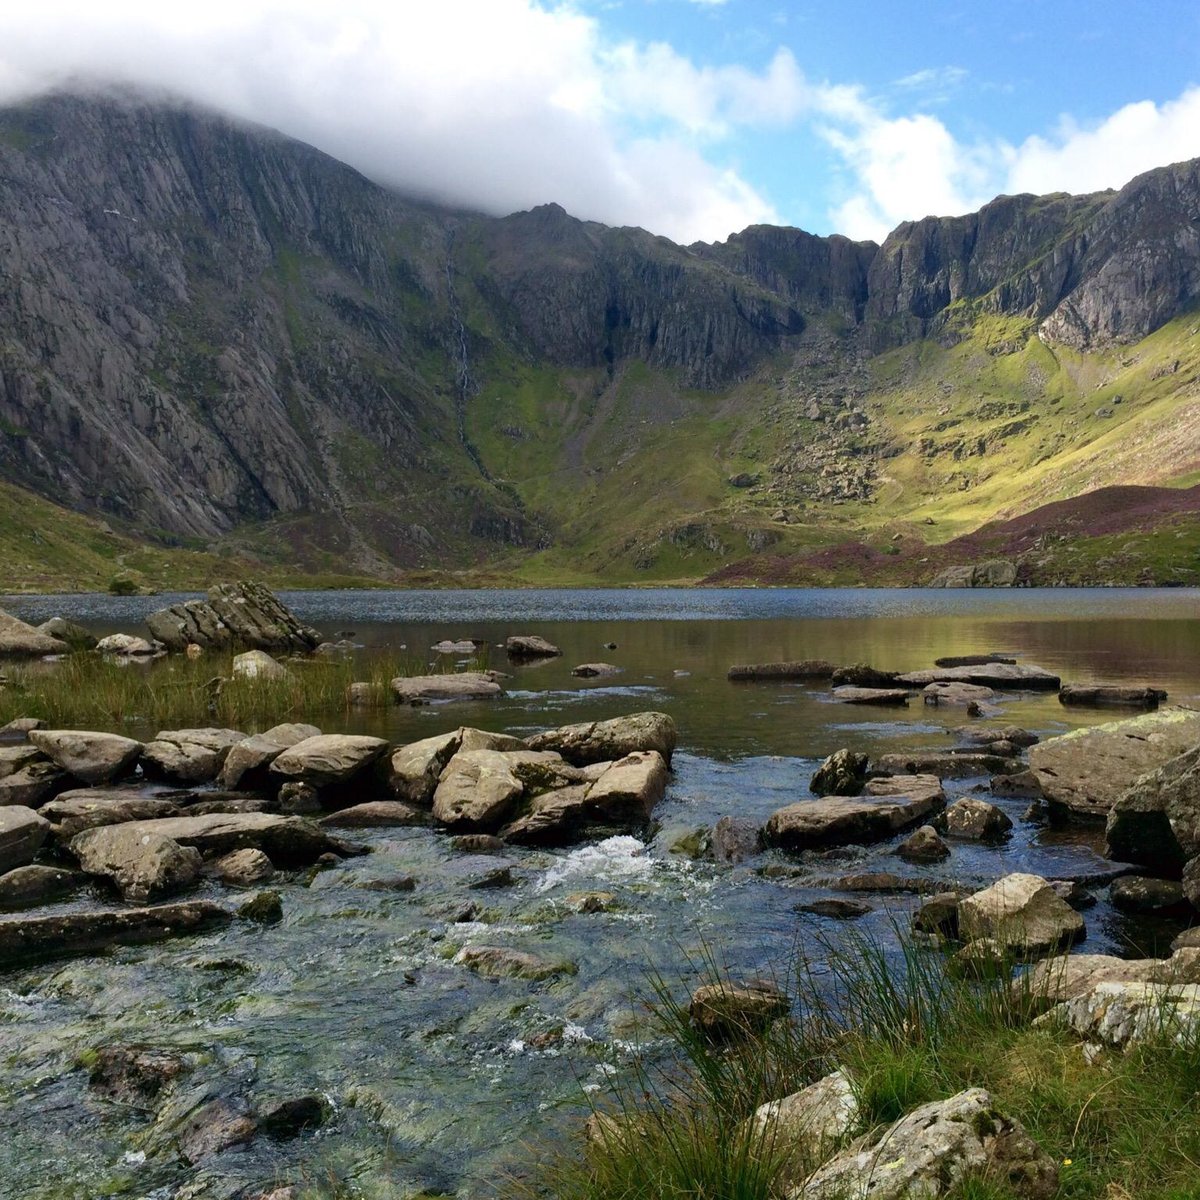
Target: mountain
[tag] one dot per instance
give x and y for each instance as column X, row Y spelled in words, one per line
column 216, row 338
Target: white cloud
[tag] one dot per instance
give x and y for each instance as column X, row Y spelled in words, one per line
column 498, row 104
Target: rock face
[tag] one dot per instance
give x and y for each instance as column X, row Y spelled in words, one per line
column 22, row 833
column 1084, row 773
column 18, row 640
column 929, row 1152
column 841, row 774
column 33, row 939
column 604, row 741
column 1156, row 822
column 435, row 689
column 143, row 865
column 89, row 757
column 1022, row 914
column 842, row 821
column 235, row 614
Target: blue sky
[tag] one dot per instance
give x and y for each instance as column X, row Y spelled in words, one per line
column 692, row 118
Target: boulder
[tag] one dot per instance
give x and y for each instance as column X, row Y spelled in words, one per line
column 478, row 843
column 21, row 725
column 939, row 916
column 484, row 739
column 1022, row 914
column 1111, row 695
column 134, row 1075
column 368, row 695
column 735, row 839
column 89, row 808
column 822, row 1113
column 126, row 645
column 416, row 768
column 1156, row 822
column 1141, row 894
column 328, row 759
column 961, row 694
column 89, row 757
column 595, row 670
column 143, row 865
column 1017, row 786
column 189, row 755
column 33, row 784
column 1001, row 676
column 1064, row 977
column 31, row 939
column 805, row 669
column 606, row 741
column 554, row 818
column 247, row 762
column 1122, row 1014
column 244, row 868
column 976, row 820
column 213, row 1127
column 862, row 675
column 18, row 640
column 263, row 908
column 849, row 694
column 630, row 788
column 839, row 821
column 436, row 689
column 259, row 665
column 530, row 646
column 923, row 845
column 722, row 1011
column 499, row 962
column 945, row 764
column 234, row 614
column 26, row 886
column 74, row 635
column 989, row 734
column 286, row 841
column 1084, row 773
column 22, row 833
column 377, row 814
column 17, row 758
column 479, row 789
column 930, row 1152
column 841, row 774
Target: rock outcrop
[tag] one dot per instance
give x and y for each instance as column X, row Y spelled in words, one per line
column 245, row 615
column 18, row 640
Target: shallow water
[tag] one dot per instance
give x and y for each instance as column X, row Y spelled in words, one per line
column 437, row 1077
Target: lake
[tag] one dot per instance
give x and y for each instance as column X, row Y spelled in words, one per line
column 439, row 1080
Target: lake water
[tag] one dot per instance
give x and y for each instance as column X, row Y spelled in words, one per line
column 437, row 1079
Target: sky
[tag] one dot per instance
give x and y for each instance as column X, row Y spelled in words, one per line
column 690, row 118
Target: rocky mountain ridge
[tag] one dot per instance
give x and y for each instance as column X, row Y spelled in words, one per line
column 206, row 327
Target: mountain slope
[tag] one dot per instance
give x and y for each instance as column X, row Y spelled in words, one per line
column 216, row 337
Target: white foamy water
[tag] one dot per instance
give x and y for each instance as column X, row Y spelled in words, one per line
column 622, row 858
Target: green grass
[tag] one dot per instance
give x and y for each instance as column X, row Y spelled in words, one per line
column 1125, row 1126
column 87, row 690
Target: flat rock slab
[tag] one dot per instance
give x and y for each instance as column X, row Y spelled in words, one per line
column 973, row 660
column 961, row 694
column 22, row 833
column 842, row 821
column 88, row 756
column 87, row 808
column 805, row 669
column 946, row 765
column 287, row 841
column 1002, row 676
column 329, row 758
column 606, row 741
column 1111, row 695
column 440, row 689
column 377, row 814
column 34, row 939
column 19, row 640
column 849, row 694
column 1082, row 774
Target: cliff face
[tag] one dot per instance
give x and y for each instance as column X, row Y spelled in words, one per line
column 204, row 324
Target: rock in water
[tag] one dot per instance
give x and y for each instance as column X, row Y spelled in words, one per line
column 1021, row 913
column 606, row 741
column 841, row 774
column 806, row 669
column 189, row 755
column 1157, row 821
column 32, row 939
column 433, row 689
column 258, row 664
column 499, row 962
column 530, row 646
column 19, row 640
column 1084, row 773
column 923, row 845
column 416, row 768
column 478, row 790
column 727, row 1010
column 25, row 886
column 74, row 635
column 1001, row 676
column 235, row 614
column 329, row 759
column 89, row 808
column 1108, row 695
column 143, row 865
column 89, row 757
column 976, row 820
column 244, row 868
column 933, row 1150
column 125, row 645
column 247, row 763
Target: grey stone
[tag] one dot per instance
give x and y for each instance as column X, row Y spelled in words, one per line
column 607, row 741
column 22, row 833
column 247, row 762
column 88, row 756
column 144, row 865
column 1023, row 914
column 189, row 755
column 841, row 774
column 329, row 759
column 432, row 689
column 976, row 820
